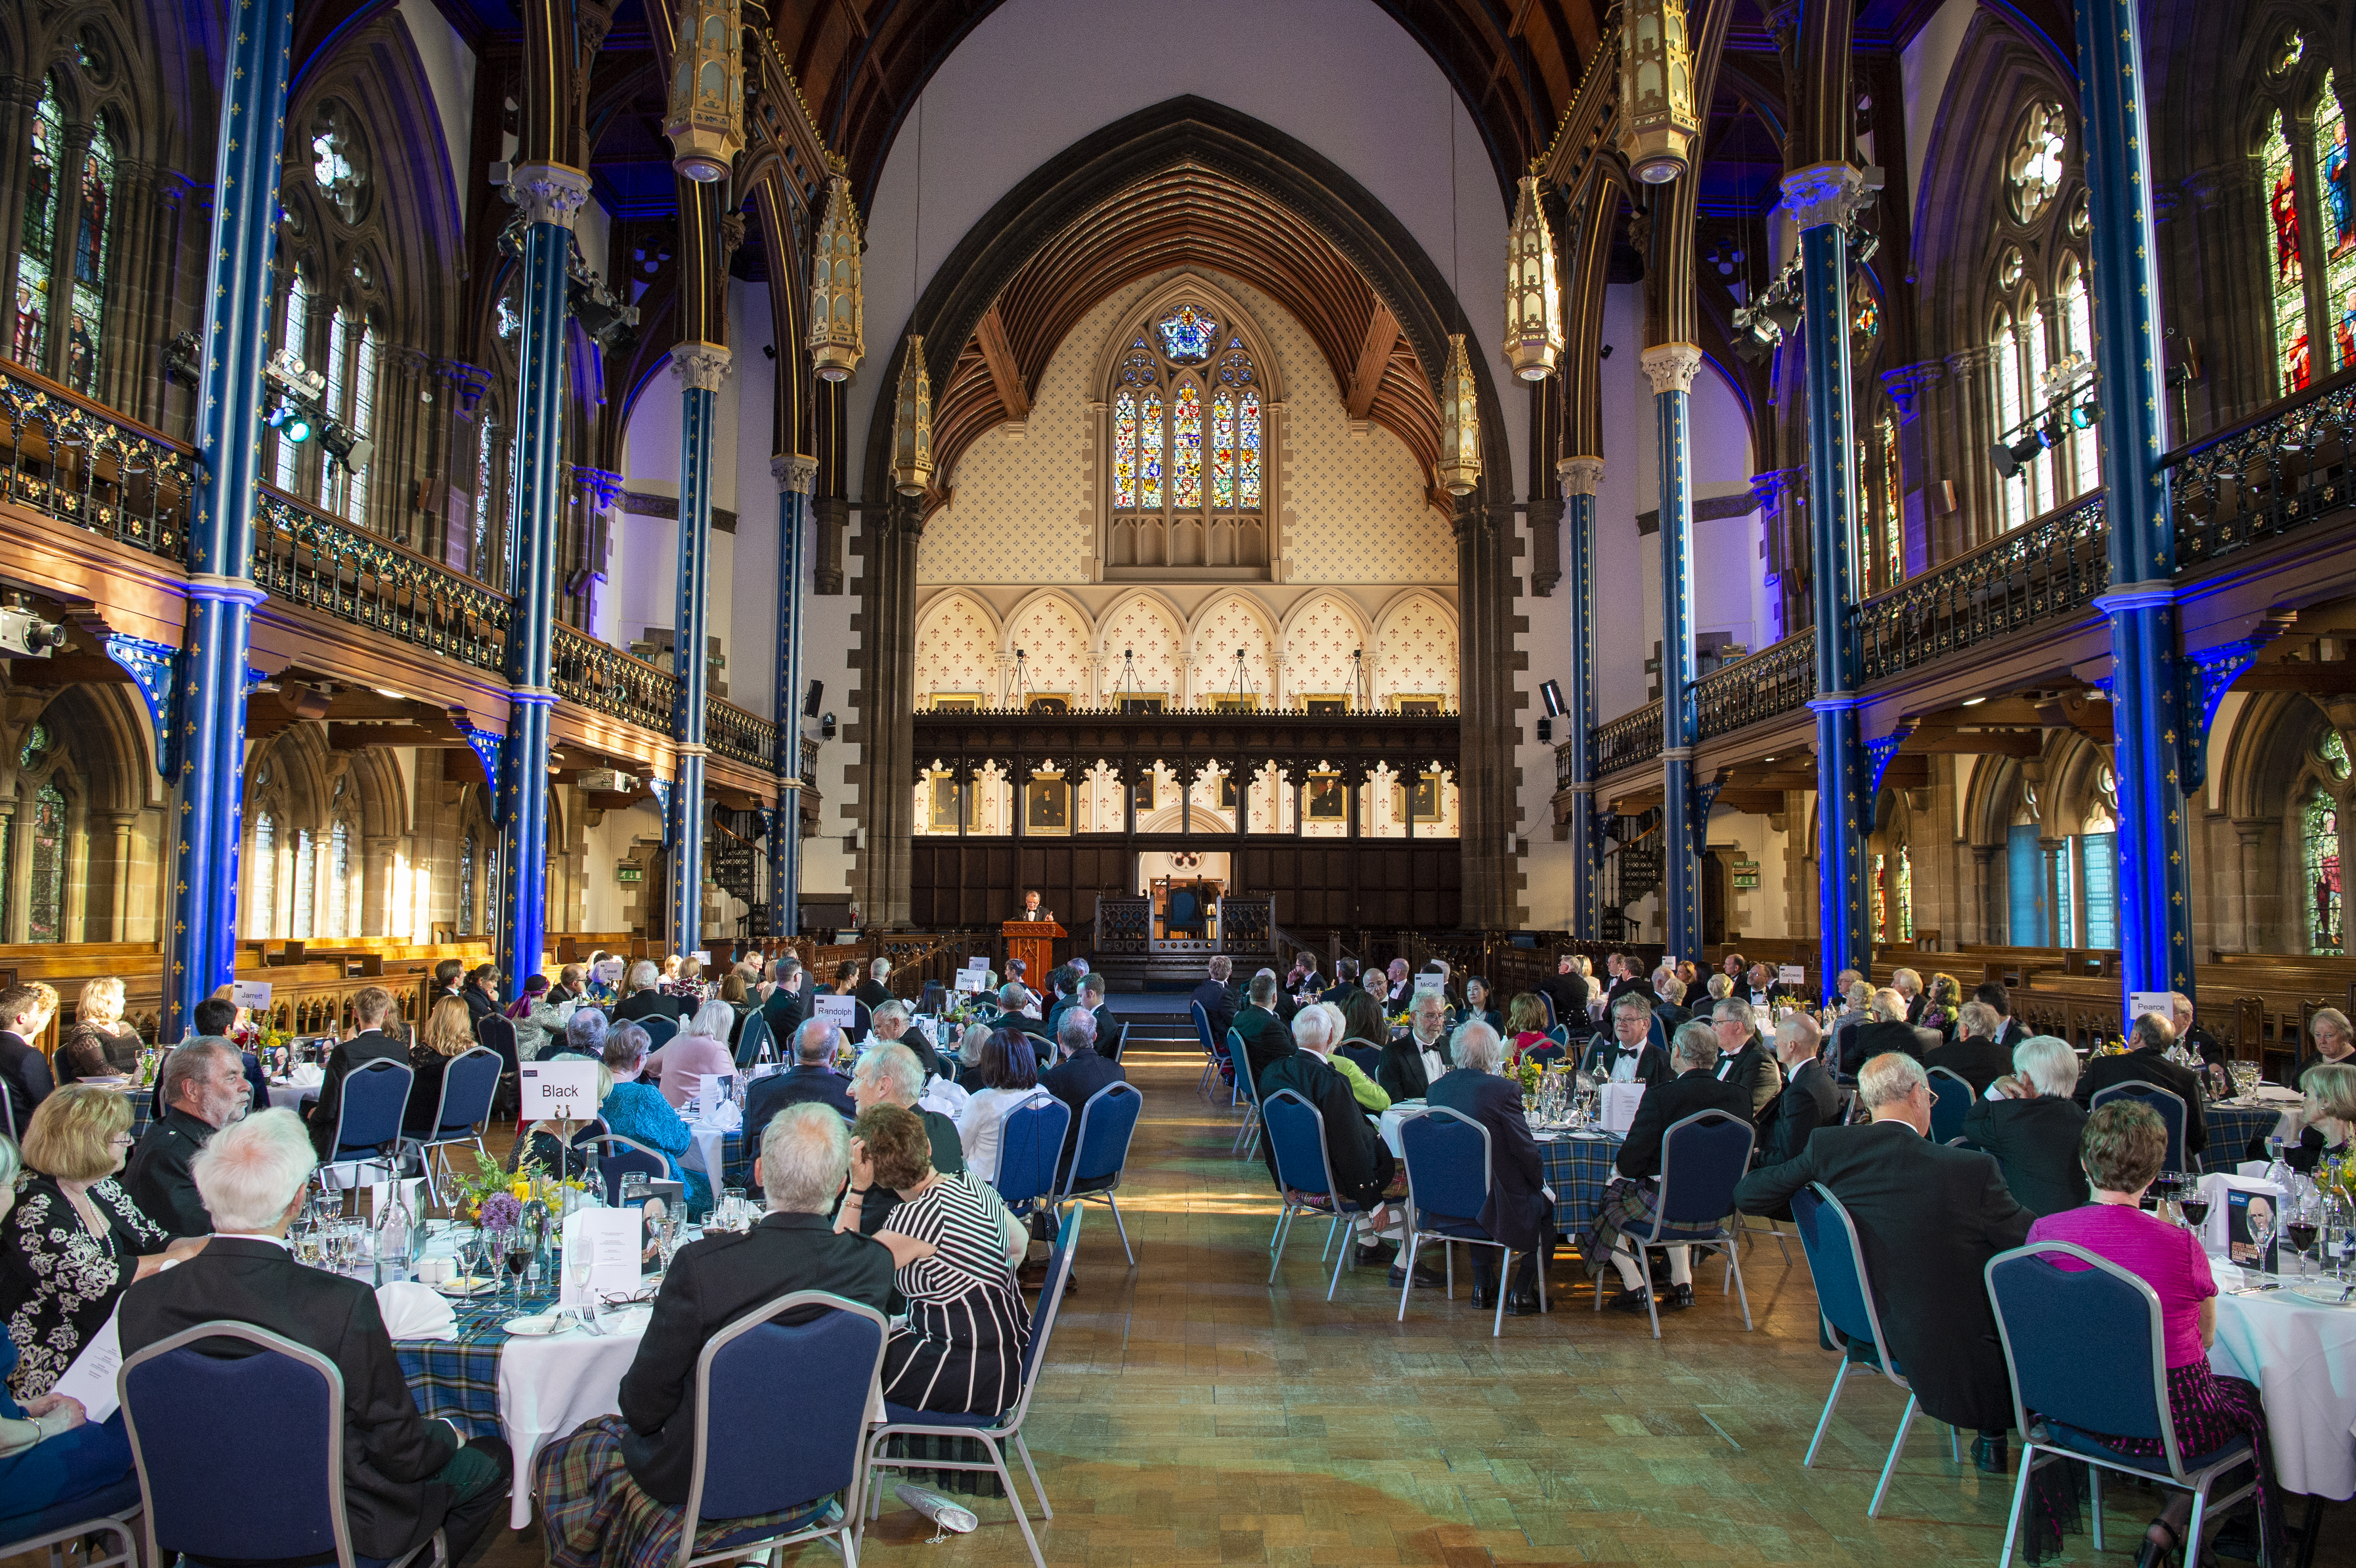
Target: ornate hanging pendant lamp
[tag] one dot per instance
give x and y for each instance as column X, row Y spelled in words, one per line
column 1460, row 423
column 1657, row 125
column 911, row 423
column 838, row 314
column 1533, row 304
column 706, row 123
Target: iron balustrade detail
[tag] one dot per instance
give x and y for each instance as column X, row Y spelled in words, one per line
column 1562, row 760
column 1770, row 683
column 70, row 460
column 609, row 681
column 730, row 731
column 810, row 763
column 313, row 559
column 1629, row 739
column 2048, row 567
column 2281, row 471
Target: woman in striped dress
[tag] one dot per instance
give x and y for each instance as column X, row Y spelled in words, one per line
column 954, row 1249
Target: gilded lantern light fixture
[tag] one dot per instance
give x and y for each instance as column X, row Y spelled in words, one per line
column 836, row 328
column 1657, row 125
column 1460, row 423
column 911, row 423
column 706, row 123
column 1533, row 306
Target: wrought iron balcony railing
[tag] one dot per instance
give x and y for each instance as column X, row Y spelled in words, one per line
column 2288, row 467
column 740, row 736
column 609, row 681
column 1631, row 739
column 69, row 459
column 2048, row 567
column 1770, row 683
column 311, row 558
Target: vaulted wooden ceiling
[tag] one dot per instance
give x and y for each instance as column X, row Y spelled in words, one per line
column 1194, row 218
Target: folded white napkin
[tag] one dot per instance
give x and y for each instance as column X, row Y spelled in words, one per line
column 413, row 1311
column 307, row 1075
column 728, row 1118
column 949, row 1099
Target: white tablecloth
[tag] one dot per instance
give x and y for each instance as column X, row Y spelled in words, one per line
column 705, row 1153
column 1388, row 1125
column 2303, row 1359
column 549, row 1387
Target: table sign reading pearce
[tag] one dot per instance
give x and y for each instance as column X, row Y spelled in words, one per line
column 1791, row 974
column 2142, row 1002
column 249, row 993
column 843, row 1012
column 559, row 1090
column 609, row 1239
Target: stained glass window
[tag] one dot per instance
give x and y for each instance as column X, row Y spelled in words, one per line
column 1248, row 452
column 2004, row 350
column 2321, row 853
column 1222, row 448
column 360, row 413
column 305, row 884
column 1186, row 448
column 2334, row 752
column 1188, row 335
column 341, row 894
column 1150, row 450
column 293, row 339
column 2289, row 273
column 341, row 330
column 93, row 246
column 1893, row 522
column 1124, row 449
column 467, row 883
column 1894, row 897
column 2078, row 338
column 264, row 921
column 36, row 247
column 486, row 450
column 2040, row 467
column 2035, row 166
column 2336, row 181
column 45, row 894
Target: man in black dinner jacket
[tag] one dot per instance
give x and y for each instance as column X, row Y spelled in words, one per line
column 1213, row 995
column 811, row 1080
column 1929, row 1217
column 1974, row 1055
column 1266, row 1038
column 2145, row 1062
column 1518, row 1211
column 404, row 1477
column 204, row 1091
column 2009, row 1031
column 1742, row 1059
column 805, row 1154
column 1567, row 989
column 1693, row 1055
column 1807, row 1101
column 25, row 1080
column 1077, row 1072
column 1627, row 1053
column 371, row 1007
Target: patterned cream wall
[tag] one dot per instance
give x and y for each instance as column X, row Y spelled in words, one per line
column 1141, row 624
column 1415, row 643
column 1353, row 507
column 1318, row 642
column 1228, row 624
column 957, row 649
column 1052, row 633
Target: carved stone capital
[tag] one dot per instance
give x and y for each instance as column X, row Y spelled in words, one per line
column 1580, row 476
column 548, row 193
column 1907, row 383
column 1822, row 194
column 1670, row 366
column 1769, row 489
column 699, row 367
column 795, row 474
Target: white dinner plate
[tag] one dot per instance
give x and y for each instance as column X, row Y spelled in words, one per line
column 467, row 1285
column 536, row 1328
column 2323, row 1292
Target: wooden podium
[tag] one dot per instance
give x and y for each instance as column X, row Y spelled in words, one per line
column 1033, row 942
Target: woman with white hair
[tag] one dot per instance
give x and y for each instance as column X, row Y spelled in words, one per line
column 698, row 1051
column 2032, row 1128
column 642, row 997
column 1323, row 1020
column 1518, row 1211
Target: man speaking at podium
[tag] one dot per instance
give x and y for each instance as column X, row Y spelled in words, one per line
column 1030, row 910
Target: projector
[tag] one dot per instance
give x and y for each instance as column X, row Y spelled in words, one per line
column 606, row 780
column 24, row 634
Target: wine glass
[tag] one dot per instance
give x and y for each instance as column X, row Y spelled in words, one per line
column 519, row 1256
column 2193, row 1204
column 2301, row 1216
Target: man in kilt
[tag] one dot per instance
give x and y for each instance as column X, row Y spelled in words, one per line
column 1632, row 1198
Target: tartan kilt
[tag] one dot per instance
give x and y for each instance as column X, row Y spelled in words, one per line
column 597, row 1517
column 1627, row 1204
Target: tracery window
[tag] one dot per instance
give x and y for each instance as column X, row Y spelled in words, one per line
column 467, row 885
column 293, row 325
column 2319, row 841
column 306, row 858
column 342, row 329
column 2310, row 244
column 2039, row 317
column 45, row 893
column 37, row 245
column 341, row 894
column 92, row 253
column 1187, row 479
column 262, row 880
column 1893, row 896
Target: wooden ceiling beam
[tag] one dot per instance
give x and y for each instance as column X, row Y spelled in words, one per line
column 998, row 354
column 1374, row 357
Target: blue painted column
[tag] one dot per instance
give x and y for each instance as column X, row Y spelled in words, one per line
column 201, row 947
column 699, row 368
column 551, row 195
column 1582, row 477
column 797, row 476
column 1670, row 366
column 1820, row 199
column 2156, row 728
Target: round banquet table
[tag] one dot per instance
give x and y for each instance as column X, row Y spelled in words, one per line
column 1578, row 1165
column 2302, row 1357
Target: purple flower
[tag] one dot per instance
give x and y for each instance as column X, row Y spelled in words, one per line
column 500, row 1211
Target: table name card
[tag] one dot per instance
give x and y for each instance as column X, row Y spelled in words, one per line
column 2142, row 1002
column 972, row 979
column 1427, row 983
column 1791, row 974
column 559, row 1090
column 843, row 1012
column 249, row 993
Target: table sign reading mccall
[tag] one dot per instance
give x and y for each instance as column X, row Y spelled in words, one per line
column 1427, row 983
column 559, row 1090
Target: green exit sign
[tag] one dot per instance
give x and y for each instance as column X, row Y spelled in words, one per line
column 629, row 871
